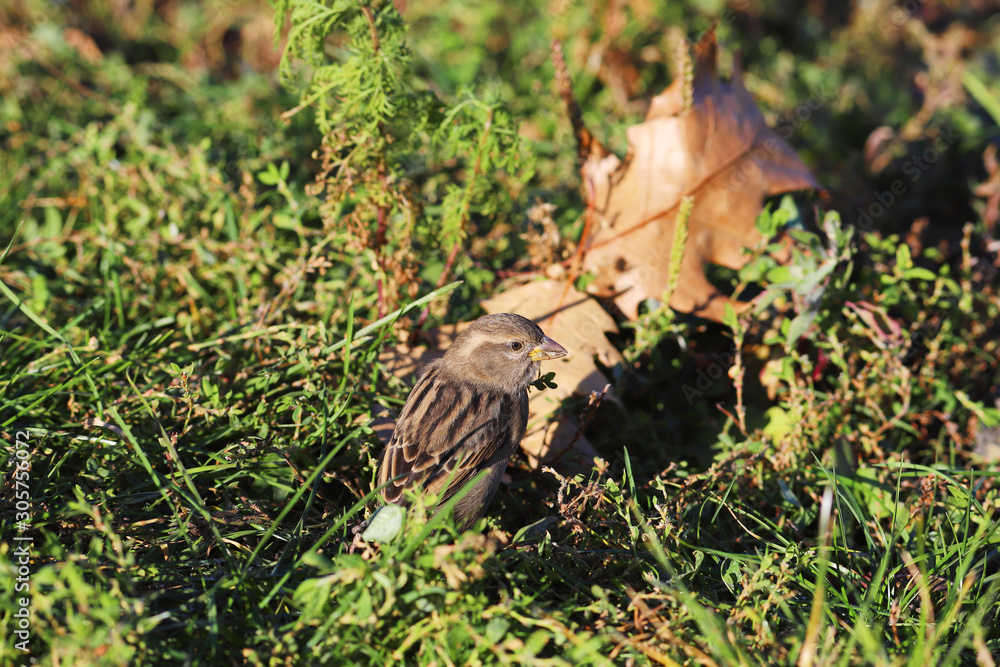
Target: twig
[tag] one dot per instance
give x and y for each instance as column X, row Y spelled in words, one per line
column 450, row 262
column 583, row 421
column 739, row 425
column 381, row 211
column 584, row 139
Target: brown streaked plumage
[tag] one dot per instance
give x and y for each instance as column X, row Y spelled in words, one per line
column 467, row 413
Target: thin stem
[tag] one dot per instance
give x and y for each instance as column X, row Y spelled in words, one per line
column 381, row 211
column 466, row 201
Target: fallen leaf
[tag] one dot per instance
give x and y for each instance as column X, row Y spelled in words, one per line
column 385, row 524
column 701, row 137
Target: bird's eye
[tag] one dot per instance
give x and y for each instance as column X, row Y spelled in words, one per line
column 515, row 345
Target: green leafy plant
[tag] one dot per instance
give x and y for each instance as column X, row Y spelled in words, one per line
column 405, row 172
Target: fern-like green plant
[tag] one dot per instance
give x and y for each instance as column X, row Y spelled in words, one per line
column 407, row 175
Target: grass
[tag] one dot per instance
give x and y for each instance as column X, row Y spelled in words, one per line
column 190, row 353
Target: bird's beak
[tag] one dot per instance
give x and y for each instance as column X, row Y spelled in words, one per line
column 549, row 349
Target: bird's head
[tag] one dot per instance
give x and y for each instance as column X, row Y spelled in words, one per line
column 502, row 350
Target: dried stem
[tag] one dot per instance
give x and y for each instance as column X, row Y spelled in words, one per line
column 583, row 420
column 382, row 211
column 584, row 140
column 466, row 200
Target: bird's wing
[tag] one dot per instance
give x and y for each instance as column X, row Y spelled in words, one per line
column 447, row 432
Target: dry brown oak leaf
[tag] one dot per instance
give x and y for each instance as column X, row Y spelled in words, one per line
column 716, row 148
column 579, row 325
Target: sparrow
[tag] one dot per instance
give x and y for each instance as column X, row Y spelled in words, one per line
column 467, row 413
